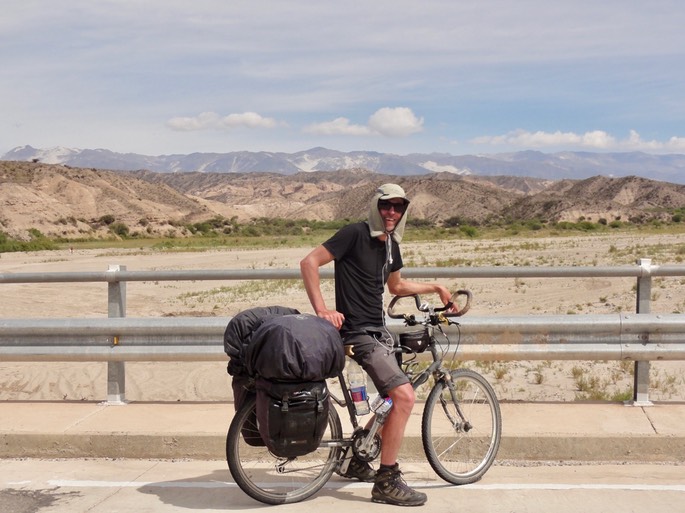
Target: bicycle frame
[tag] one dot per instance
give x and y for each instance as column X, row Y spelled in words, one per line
column 435, row 369
column 434, row 316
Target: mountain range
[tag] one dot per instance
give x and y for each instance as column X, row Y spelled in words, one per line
column 552, row 166
column 71, row 202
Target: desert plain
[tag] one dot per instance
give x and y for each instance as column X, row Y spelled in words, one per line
column 208, row 381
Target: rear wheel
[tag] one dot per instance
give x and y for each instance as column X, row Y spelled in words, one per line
column 273, row 480
column 461, row 428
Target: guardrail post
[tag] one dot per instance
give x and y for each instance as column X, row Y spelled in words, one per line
column 643, row 306
column 116, row 371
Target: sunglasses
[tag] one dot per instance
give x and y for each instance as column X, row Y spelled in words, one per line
column 386, row 205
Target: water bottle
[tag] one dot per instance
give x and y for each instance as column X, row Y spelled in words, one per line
column 357, row 383
column 380, row 405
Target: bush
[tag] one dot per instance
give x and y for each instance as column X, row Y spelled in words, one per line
column 38, row 242
column 469, row 231
column 36, row 234
column 250, row 231
column 120, row 229
column 452, row 222
column 457, row 221
column 564, row 225
column 586, row 226
column 420, row 223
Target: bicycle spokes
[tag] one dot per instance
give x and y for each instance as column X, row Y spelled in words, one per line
column 461, row 427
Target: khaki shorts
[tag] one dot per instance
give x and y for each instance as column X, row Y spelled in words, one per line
column 373, row 350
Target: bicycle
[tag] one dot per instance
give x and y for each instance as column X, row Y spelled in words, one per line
column 461, row 423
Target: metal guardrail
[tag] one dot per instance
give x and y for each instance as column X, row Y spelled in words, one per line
column 640, row 337
column 545, row 337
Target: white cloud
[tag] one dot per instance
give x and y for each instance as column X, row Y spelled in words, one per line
column 387, row 122
column 249, row 120
column 395, row 122
column 635, row 142
column 596, row 140
column 203, row 121
column 339, row 126
column 213, row 121
column 676, row 144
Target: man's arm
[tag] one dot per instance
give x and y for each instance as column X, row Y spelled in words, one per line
column 309, row 269
column 398, row 286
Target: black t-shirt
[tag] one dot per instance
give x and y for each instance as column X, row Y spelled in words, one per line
column 361, row 271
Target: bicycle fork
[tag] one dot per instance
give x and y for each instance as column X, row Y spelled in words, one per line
column 458, row 424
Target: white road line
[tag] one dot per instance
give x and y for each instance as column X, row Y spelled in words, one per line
column 501, row 486
column 137, row 484
column 562, row 486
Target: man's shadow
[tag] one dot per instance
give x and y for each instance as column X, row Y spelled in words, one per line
column 218, row 490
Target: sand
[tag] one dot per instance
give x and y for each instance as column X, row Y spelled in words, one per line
column 208, row 381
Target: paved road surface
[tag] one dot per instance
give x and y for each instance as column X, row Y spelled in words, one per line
column 140, row 486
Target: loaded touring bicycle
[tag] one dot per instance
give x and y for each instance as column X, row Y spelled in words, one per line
column 461, row 422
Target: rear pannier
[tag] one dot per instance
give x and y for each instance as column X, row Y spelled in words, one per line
column 289, row 357
column 292, row 417
column 237, row 337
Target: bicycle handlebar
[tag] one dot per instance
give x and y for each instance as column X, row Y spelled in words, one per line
column 423, row 307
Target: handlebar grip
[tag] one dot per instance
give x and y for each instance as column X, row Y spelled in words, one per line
column 453, row 300
column 391, row 306
column 462, row 308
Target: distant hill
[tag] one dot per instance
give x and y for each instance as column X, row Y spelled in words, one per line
column 556, row 166
column 60, row 200
column 595, row 198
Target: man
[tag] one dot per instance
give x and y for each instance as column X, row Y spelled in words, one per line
column 367, row 257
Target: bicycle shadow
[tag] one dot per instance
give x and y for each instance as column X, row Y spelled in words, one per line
column 218, row 491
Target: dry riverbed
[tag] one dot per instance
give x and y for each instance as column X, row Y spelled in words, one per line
column 176, row 381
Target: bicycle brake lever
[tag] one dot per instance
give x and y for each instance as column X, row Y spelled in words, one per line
column 410, row 320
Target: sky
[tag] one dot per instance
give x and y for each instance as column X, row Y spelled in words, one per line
column 161, row 77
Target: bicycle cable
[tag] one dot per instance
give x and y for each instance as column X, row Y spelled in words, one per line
column 456, row 346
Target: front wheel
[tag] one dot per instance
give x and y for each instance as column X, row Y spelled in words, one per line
column 269, row 478
column 461, row 427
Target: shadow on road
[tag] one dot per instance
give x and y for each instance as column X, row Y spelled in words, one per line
column 217, row 490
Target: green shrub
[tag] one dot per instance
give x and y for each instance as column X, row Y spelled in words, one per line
column 420, row 223
column 38, row 242
column 469, row 231
column 120, row 229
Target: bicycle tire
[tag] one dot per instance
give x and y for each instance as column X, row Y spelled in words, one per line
column 462, row 453
column 273, row 480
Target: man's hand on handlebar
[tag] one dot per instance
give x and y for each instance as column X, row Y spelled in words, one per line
column 451, row 308
column 446, row 298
